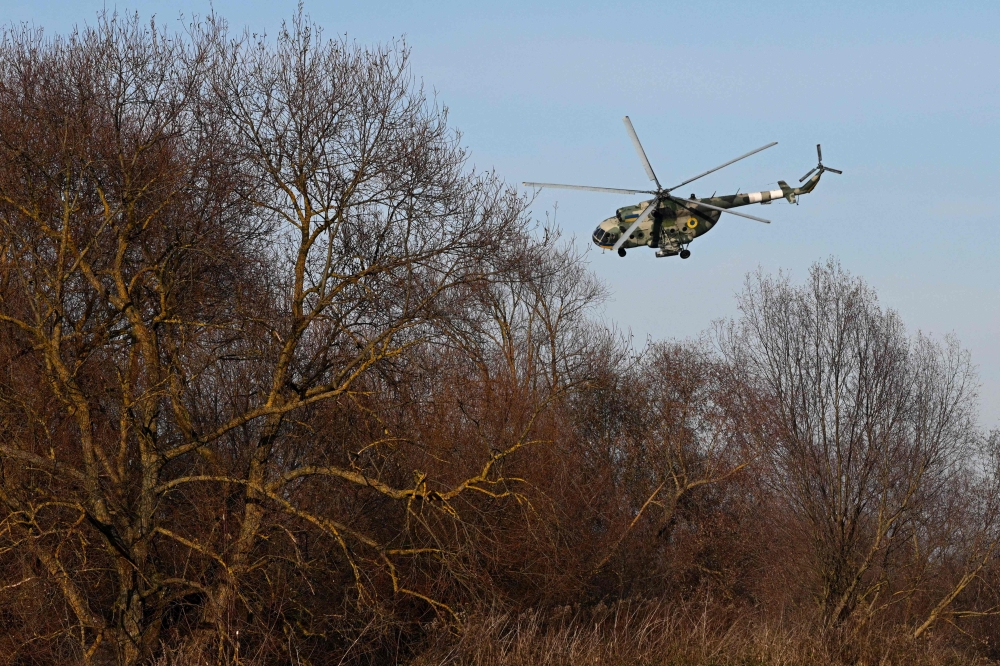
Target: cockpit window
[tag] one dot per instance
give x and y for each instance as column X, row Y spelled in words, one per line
column 602, row 237
column 599, row 235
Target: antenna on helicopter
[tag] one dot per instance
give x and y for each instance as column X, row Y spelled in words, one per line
column 819, row 167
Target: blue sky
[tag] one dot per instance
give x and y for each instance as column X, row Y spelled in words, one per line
column 904, row 97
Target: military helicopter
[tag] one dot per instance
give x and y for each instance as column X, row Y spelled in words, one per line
column 669, row 223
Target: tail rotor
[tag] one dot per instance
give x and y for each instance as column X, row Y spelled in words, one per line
column 819, row 167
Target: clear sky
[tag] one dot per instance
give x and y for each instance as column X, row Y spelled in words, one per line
column 904, row 97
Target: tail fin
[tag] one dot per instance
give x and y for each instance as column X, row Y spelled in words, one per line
column 786, row 191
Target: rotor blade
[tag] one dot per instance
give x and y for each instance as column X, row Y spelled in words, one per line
column 700, row 175
column 640, row 151
column 639, row 220
column 724, row 210
column 588, row 188
column 808, row 174
column 819, row 152
column 833, row 170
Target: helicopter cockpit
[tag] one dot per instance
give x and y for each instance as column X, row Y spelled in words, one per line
column 604, row 238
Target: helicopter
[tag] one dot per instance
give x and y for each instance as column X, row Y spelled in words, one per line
column 670, row 223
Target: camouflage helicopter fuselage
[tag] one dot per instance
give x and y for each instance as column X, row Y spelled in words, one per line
column 673, row 225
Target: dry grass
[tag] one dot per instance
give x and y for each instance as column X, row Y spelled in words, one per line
column 655, row 634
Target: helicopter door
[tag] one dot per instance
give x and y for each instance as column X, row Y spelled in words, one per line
column 667, row 236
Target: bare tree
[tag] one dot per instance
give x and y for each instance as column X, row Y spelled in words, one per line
column 664, row 430
column 957, row 544
column 869, row 425
column 223, row 263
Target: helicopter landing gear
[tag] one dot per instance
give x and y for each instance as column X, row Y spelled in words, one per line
column 621, row 252
column 685, row 254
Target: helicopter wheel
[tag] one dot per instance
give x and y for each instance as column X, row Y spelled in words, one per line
column 685, row 254
column 621, row 252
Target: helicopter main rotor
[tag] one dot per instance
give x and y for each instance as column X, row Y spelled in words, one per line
column 661, row 193
column 642, row 153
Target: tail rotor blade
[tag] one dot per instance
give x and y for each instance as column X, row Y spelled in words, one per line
column 833, row 170
column 642, row 153
column 819, row 152
column 639, row 220
column 808, row 174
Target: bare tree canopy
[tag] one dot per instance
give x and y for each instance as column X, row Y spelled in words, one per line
column 223, row 259
column 868, row 429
